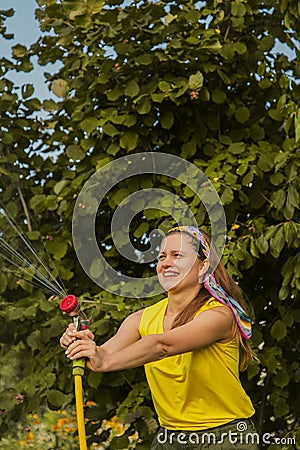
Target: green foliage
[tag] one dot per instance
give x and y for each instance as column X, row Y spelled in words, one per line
column 200, row 82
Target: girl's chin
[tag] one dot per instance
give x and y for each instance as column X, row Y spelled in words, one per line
column 169, row 284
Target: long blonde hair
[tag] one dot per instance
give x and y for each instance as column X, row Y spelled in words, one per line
column 229, row 285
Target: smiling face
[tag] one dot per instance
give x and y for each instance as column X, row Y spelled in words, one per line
column 179, row 266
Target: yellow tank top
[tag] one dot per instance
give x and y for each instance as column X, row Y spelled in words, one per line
column 199, row 389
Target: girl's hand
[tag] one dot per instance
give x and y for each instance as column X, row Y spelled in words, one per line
column 68, row 339
column 84, row 347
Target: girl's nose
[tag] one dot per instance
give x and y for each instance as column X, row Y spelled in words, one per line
column 167, row 262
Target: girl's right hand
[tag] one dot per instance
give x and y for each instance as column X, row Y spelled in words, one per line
column 66, row 339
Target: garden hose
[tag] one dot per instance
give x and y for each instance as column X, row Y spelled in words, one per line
column 79, row 412
column 71, row 306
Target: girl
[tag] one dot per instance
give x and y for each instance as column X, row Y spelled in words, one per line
column 192, row 344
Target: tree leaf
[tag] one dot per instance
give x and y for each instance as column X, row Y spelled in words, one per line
column 59, row 87
column 27, row 90
column 240, row 48
column 75, row 152
column 60, row 185
column 3, row 283
column 145, row 59
column 242, row 114
column 227, row 196
column 89, row 124
column 19, row 51
column 56, row 398
column 132, row 89
column 196, row 81
column 281, row 379
column 144, row 106
column 238, row 9
column 167, row 119
column 164, row 86
column 236, row 148
column 227, row 51
column 129, row 140
column 95, row 6
column 110, row 130
column 279, row 330
column 141, row 230
column 113, row 148
column 262, row 244
column 293, row 196
column 34, row 340
column 266, row 162
column 218, row 96
column 242, row 168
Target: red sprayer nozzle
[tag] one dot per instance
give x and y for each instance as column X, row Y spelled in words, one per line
column 69, row 304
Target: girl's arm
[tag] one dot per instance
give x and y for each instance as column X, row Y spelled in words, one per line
column 127, row 334
column 208, row 327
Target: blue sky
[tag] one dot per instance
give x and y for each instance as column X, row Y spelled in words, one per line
column 26, row 31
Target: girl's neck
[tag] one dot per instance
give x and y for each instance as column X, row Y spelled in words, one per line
column 178, row 300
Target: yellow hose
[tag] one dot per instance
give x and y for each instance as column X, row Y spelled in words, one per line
column 79, row 411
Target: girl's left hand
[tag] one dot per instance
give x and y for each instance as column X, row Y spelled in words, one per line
column 84, row 347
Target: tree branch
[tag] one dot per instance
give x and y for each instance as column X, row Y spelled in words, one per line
column 25, row 208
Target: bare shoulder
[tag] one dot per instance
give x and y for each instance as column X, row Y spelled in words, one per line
column 222, row 309
column 220, row 314
column 221, row 317
column 219, row 308
column 137, row 315
column 134, row 318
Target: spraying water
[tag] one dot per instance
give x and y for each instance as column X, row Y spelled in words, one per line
column 31, row 268
column 37, row 273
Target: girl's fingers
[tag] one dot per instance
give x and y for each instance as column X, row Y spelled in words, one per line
column 79, row 349
column 84, row 334
column 65, row 340
column 71, row 328
column 70, row 336
column 86, row 349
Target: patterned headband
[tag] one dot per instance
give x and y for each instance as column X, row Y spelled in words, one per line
column 214, row 288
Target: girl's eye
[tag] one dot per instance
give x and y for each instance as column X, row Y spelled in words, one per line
column 175, row 255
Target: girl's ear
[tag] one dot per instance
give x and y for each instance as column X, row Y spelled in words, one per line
column 204, row 266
